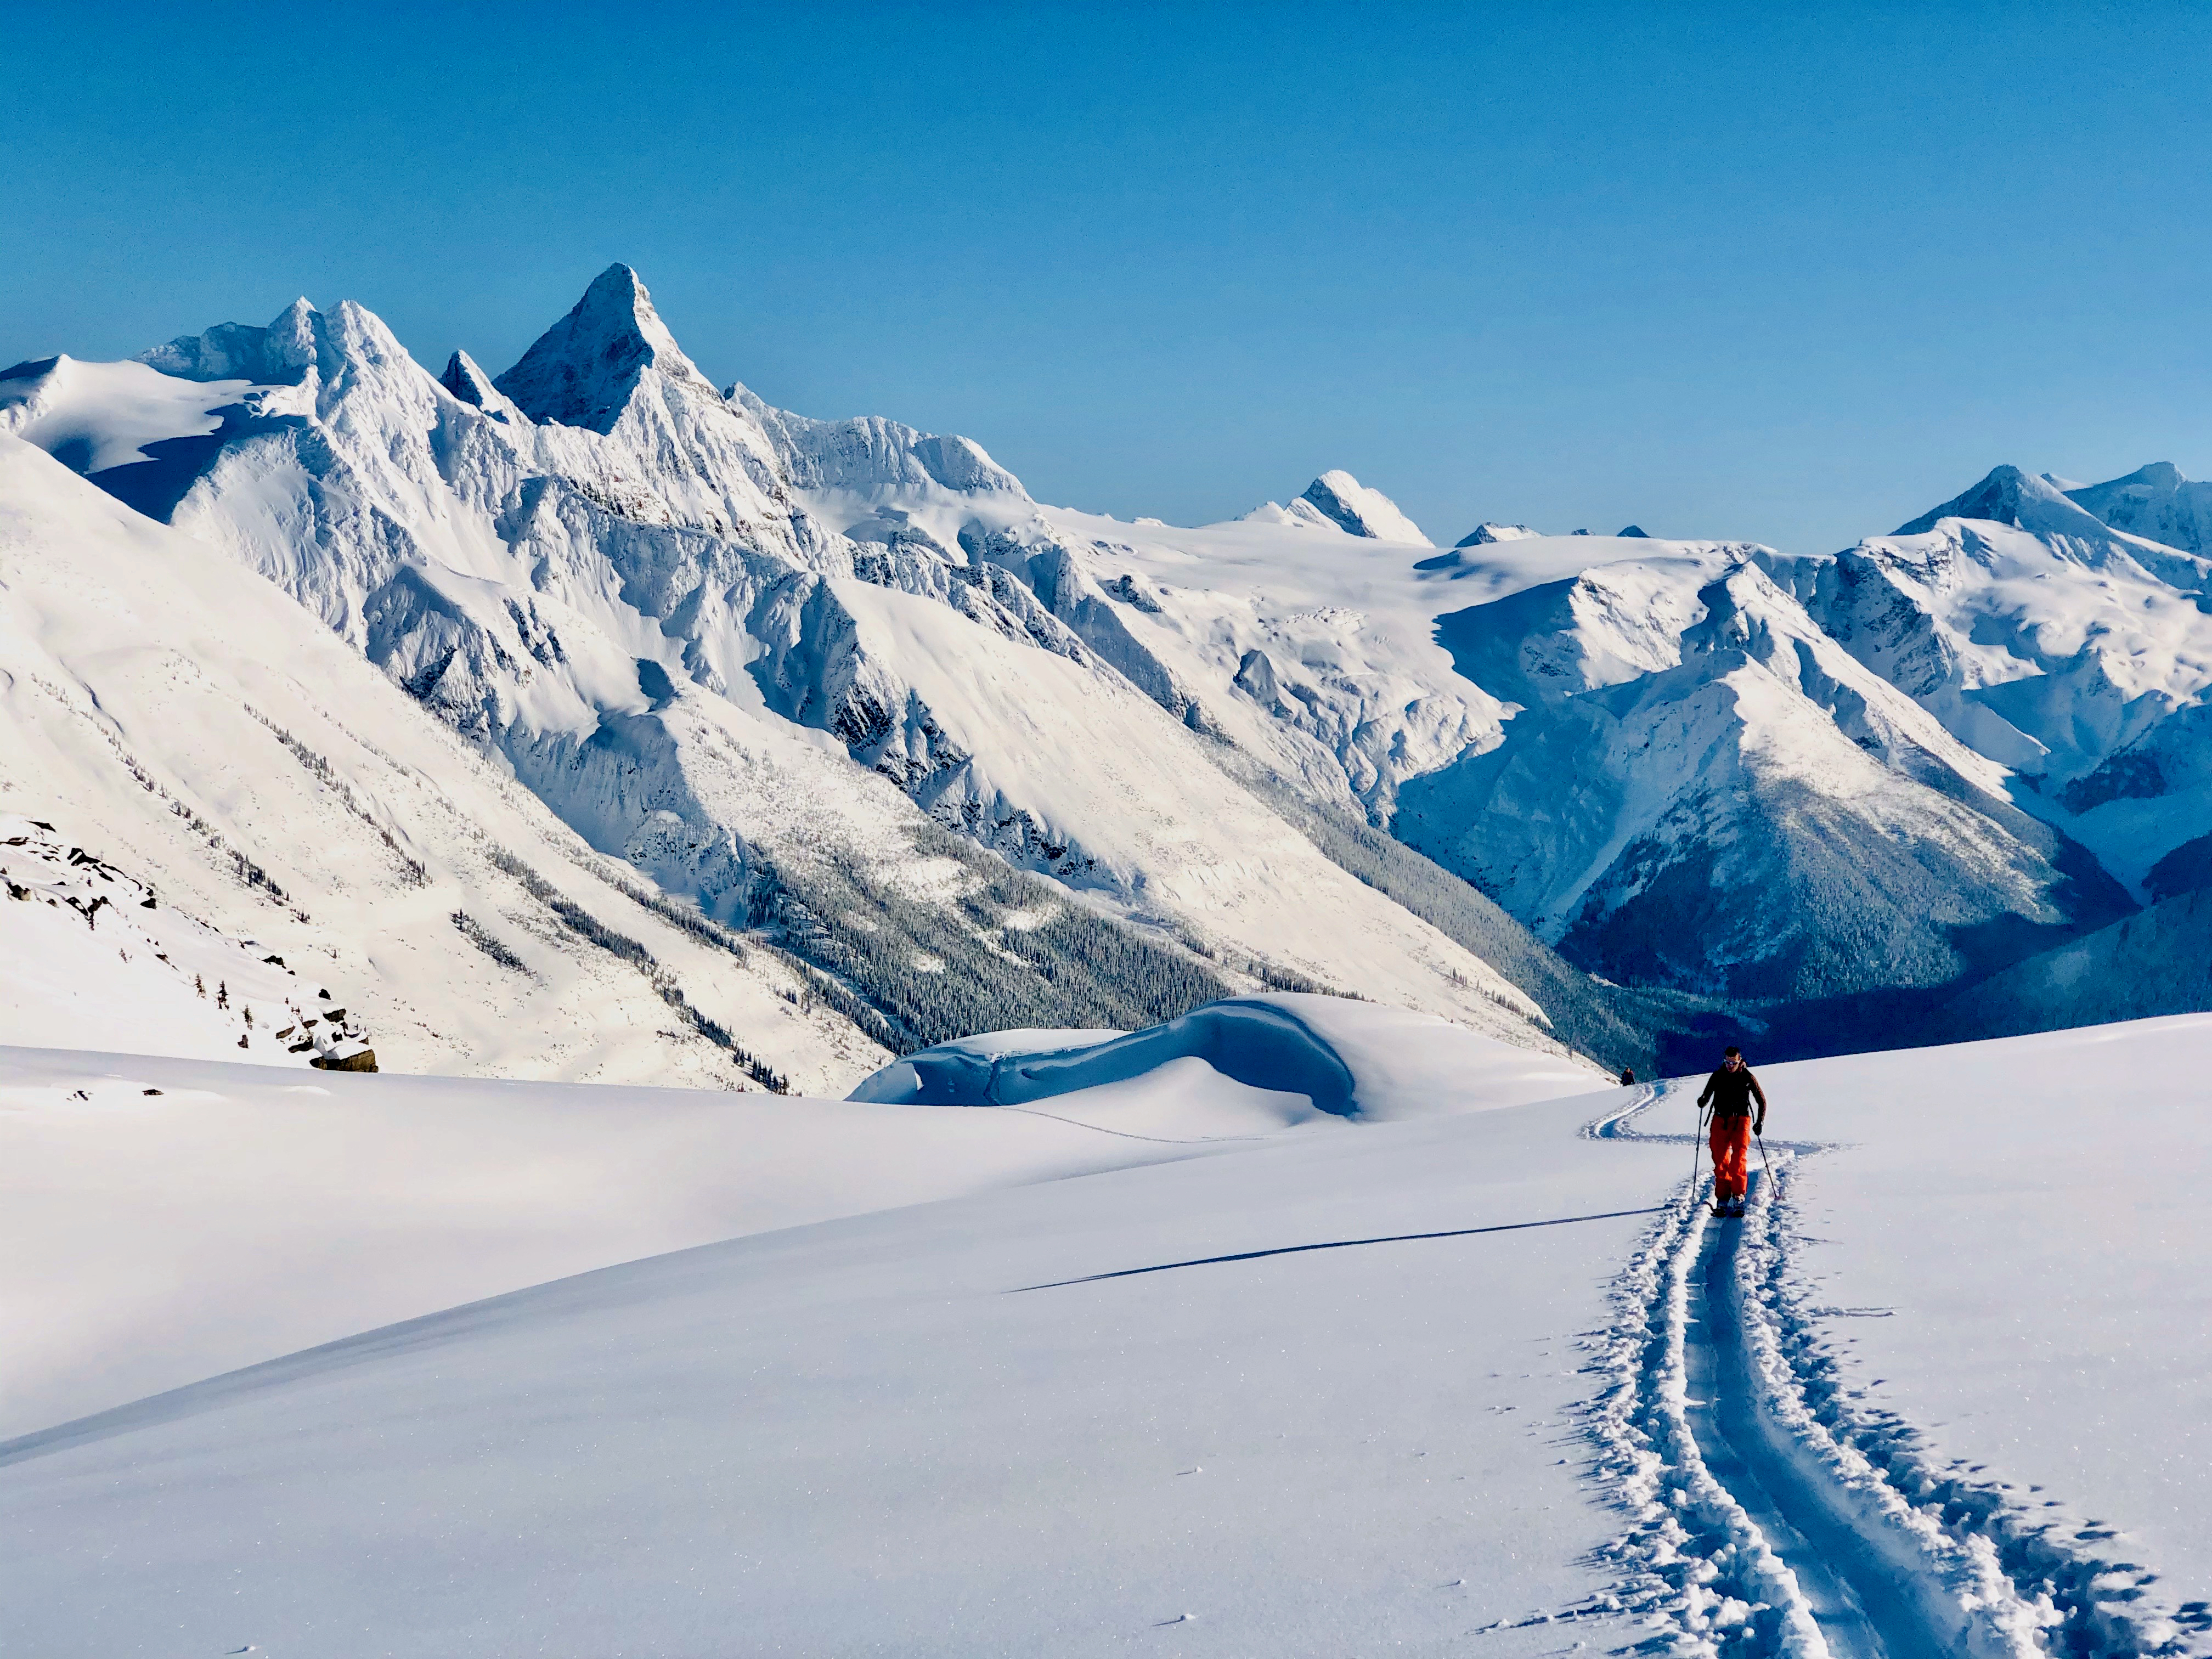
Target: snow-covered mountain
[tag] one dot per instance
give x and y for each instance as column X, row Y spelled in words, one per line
column 769, row 661
column 1927, row 757
column 211, row 744
column 828, row 679
column 2074, row 653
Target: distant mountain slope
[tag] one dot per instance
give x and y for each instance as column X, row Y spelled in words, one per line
column 96, row 961
column 1617, row 739
column 1703, row 791
column 2076, row 655
column 2157, row 961
column 2155, row 502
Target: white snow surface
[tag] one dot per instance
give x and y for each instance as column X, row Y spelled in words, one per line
column 102, row 415
column 1319, row 1388
column 94, row 955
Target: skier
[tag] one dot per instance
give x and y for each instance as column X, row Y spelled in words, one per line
column 1627, row 1075
column 1731, row 1090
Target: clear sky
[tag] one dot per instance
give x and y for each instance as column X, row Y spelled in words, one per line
column 1776, row 272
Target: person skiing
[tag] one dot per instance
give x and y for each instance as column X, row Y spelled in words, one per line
column 1731, row 1090
column 1627, row 1075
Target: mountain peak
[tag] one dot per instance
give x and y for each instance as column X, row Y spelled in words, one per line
column 469, row 383
column 1996, row 498
column 2155, row 502
column 1359, row 511
column 2130, row 512
column 1489, row 532
column 581, row 371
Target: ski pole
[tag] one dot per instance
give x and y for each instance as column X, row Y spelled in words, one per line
column 1697, row 1151
column 1766, row 1165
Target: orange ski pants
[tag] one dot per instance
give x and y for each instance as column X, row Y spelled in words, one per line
column 1730, row 1139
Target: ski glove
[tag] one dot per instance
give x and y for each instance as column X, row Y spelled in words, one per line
column 1759, row 1127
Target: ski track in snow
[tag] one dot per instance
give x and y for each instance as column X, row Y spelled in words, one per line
column 1772, row 1517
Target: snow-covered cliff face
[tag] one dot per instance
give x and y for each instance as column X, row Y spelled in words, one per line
column 755, row 655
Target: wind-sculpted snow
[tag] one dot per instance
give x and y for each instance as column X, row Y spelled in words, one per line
column 1350, row 1059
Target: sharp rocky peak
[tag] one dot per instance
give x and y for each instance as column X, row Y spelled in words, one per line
column 582, row 370
column 467, row 382
column 1354, row 508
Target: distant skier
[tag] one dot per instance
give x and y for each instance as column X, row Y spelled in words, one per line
column 1731, row 1090
column 1627, row 1075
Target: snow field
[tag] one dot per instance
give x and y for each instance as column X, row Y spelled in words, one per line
column 870, row 1434
column 1339, row 1385
column 244, row 1211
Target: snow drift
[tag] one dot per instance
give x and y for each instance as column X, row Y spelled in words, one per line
column 1351, row 1059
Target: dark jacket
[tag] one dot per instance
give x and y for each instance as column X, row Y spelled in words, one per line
column 1732, row 1092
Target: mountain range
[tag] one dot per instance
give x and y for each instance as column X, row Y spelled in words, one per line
column 590, row 720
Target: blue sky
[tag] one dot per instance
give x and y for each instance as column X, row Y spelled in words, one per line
column 1718, row 271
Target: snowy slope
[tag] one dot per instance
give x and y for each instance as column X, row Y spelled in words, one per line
column 1987, row 1272
column 95, row 959
column 172, row 713
column 1345, row 1384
